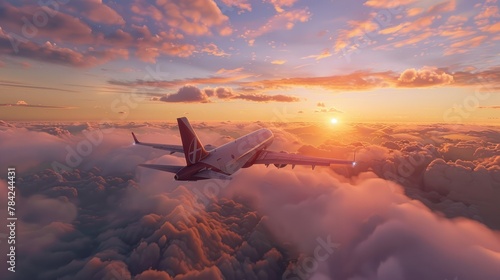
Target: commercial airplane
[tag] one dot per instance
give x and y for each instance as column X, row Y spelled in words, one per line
column 208, row 162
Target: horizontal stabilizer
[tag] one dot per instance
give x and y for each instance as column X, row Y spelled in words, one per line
column 166, row 168
column 171, row 148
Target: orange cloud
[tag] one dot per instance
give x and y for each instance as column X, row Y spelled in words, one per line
column 411, row 12
column 280, row 21
column 197, row 18
column 180, row 50
column 474, row 42
column 456, row 19
column 494, row 28
column 357, row 31
column 421, row 25
column 278, row 61
column 279, row 4
column 488, row 12
column 424, row 77
column 356, row 81
column 324, row 54
column 386, row 4
column 465, row 45
column 393, row 29
column 243, row 5
column 212, row 49
column 141, row 8
column 443, row 7
column 363, row 80
column 96, row 11
column 65, row 28
column 455, row 33
column 413, row 40
column 224, row 71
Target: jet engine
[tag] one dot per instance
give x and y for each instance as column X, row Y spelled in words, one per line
column 281, row 165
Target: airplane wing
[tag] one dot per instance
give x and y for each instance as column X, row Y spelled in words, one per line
column 171, row 148
column 204, row 174
column 282, row 159
column 209, row 174
column 166, row 168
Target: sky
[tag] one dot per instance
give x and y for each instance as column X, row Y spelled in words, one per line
column 269, row 60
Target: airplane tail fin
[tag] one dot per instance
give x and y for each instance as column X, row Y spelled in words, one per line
column 193, row 149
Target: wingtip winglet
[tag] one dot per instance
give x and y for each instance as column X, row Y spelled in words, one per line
column 135, row 139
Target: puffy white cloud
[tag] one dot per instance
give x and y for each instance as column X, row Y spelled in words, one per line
column 114, row 220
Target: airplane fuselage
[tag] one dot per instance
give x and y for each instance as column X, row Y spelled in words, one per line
column 230, row 157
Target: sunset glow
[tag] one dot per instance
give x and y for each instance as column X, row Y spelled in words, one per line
column 240, row 139
column 421, row 61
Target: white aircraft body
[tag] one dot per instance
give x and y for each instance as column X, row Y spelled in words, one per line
column 208, row 162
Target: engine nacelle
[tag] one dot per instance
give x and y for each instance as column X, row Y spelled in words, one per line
column 281, row 165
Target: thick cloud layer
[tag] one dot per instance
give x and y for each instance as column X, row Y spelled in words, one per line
column 380, row 232
column 421, row 204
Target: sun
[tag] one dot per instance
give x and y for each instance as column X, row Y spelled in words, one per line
column 334, row 121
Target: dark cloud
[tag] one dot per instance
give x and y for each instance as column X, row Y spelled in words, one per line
column 58, row 26
column 267, row 98
column 488, row 78
column 175, row 83
column 187, row 94
column 96, row 11
column 49, row 52
column 489, row 107
column 224, row 93
column 191, row 94
column 199, row 18
column 22, row 103
column 331, row 110
column 24, row 85
column 46, row 32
